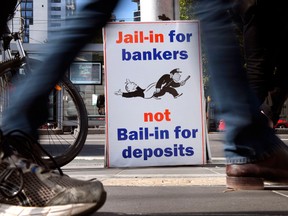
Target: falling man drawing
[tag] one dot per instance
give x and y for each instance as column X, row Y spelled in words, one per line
column 166, row 83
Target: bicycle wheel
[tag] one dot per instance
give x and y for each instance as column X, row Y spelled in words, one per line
column 64, row 134
column 7, row 69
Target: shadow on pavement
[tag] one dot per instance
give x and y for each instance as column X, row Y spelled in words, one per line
column 276, row 187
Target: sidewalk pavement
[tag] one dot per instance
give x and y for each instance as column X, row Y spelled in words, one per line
column 177, row 191
column 206, row 175
column 210, row 174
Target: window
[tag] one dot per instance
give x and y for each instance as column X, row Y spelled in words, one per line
column 26, row 31
column 86, row 73
column 27, row 23
column 136, row 13
column 55, row 24
column 56, row 8
column 27, row 5
column 26, row 39
column 55, row 16
column 27, row 14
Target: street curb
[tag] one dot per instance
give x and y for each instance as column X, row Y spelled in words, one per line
column 179, row 181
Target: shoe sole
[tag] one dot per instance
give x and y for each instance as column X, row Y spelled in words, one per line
column 80, row 209
column 93, row 208
column 244, row 183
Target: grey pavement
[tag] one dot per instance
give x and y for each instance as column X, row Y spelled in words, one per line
column 176, row 191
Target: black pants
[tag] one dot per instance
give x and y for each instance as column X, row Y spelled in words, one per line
column 265, row 42
column 6, row 10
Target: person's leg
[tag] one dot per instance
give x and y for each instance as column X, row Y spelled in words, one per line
column 263, row 49
column 238, row 105
column 26, row 184
column 259, row 62
column 28, row 109
column 249, row 140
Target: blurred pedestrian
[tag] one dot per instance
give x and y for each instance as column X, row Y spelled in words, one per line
column 254, row 153
column 265, row 31
column 27, row 185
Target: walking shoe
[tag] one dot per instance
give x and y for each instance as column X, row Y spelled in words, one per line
column 252, row 176
column 27, row 188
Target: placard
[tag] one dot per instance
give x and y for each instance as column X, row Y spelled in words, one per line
column 154, row 94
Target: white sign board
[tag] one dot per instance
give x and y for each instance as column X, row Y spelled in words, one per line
column 154, row 96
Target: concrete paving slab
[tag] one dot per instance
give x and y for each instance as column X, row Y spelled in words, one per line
column 153, row 182
column 184, row 171
column 152, row 176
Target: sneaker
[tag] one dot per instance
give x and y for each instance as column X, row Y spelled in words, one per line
column 27, row 188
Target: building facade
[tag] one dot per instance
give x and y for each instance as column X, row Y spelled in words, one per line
column 40, row 18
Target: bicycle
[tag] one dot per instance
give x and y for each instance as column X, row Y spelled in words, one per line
column 56, row 136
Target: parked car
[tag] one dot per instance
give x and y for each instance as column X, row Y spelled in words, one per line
column 282, row 123
column 221, row 125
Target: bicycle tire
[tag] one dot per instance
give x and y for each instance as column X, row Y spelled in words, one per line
column 61, row 144
column 65, row 150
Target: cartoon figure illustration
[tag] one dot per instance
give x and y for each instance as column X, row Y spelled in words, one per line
column 167, row 83
column 133, row 90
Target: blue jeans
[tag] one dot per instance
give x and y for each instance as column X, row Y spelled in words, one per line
column 248, row 137
column 28, row 109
